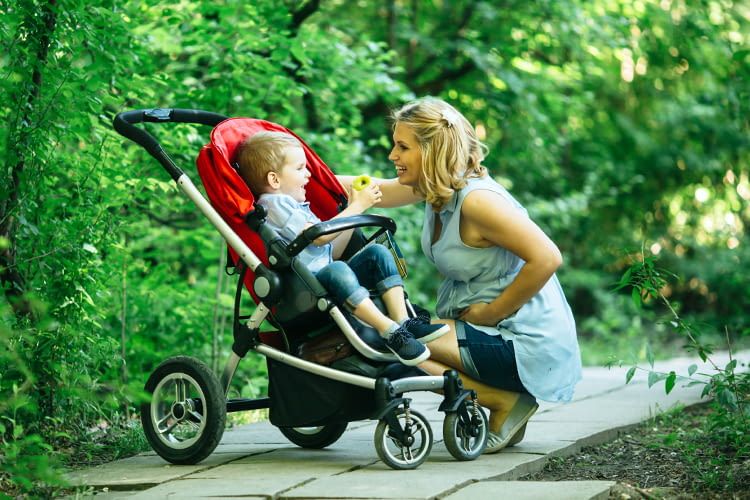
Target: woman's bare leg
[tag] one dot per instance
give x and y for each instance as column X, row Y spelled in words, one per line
column 445, row 356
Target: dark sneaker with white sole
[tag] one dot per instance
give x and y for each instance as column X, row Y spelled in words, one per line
column 423, row 330
column 406, row 348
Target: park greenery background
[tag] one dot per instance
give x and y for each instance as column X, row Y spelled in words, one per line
column 622, row 125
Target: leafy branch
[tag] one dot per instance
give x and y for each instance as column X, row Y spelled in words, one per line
column 730, row 389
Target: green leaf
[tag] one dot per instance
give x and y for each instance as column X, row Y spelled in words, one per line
column 649, row 355
column 625, row 279
column 629, row 375
column 635, row 295
column 654, row 377
column 730, row 367
column 692, row 369
column 741, row 54
column 669, row 383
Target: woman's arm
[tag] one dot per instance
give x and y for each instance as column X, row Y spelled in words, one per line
column 489, row 219
column 394, row 194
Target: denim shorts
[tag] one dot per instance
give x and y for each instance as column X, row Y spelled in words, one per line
column 489, row 359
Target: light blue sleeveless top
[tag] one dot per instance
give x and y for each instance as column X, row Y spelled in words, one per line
column 543, row 330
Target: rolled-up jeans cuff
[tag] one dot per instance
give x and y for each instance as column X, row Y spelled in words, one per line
column 357, row 297
column 388, row 283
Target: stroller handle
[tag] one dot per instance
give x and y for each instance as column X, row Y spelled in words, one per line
column 337, row 225
column 124, row 124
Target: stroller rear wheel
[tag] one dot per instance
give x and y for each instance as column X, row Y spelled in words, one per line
column 409, row 449
column 184, row 419
column 314, row 437
column 465, row 432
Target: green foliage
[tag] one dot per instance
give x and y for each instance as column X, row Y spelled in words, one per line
column 728, row 386
column 614, row 122
column 714, row 444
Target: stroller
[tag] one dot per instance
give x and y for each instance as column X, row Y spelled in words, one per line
column 310, row 403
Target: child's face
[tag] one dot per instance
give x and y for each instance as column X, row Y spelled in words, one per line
column 294, row 174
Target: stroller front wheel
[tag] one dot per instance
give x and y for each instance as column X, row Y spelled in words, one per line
column 184, row 419
column 314, row 437
column 465, row 432
column 408, row 447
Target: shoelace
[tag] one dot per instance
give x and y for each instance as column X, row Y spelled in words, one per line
column 398, row 339
column 412, row 321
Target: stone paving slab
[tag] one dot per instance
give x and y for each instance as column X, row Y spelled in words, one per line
column 438, row 475
column 142, row 471
column 257, row 461
column 535, row 490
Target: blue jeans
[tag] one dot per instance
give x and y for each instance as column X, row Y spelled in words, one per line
column 373, row 268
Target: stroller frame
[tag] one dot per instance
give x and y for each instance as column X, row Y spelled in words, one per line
column 186, row 394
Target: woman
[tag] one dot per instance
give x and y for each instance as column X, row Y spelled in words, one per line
column 512, row 336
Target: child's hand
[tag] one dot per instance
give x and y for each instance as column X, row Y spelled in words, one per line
column 366, row 197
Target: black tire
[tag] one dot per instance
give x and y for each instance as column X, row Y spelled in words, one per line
column 185, row 415
column 464, row 439
column 395, row 454
column 314, row 437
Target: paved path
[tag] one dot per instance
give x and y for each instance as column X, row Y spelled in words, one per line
column 256, row 461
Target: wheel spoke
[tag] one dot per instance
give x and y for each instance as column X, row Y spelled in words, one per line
column 169, row 429
column 197, row 416
column 417, row 426
column 182, row 391
column 193, row 425
column 163, row 420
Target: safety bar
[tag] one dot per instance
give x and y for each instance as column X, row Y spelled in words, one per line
column 124, row 124
column 336, row 225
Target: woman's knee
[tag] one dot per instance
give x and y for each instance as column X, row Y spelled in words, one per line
column 445, row 349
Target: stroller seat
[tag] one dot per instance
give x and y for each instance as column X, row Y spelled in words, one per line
column 297, row 310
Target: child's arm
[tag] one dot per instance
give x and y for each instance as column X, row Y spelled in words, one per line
column 358, row 203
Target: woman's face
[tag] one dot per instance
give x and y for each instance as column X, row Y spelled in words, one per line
column 406, row 155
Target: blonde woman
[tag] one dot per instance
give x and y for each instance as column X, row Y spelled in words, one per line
column 513, row 336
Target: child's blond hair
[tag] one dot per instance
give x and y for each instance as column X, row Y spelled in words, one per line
column 260, row 154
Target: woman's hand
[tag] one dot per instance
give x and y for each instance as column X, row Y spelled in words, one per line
column 479, row 314
column 394, row 194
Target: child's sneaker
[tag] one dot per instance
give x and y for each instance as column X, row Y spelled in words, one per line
column 423, row 330
column 406, row 348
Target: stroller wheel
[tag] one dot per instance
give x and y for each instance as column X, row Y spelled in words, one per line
column 414, row 446
column 314, row 437
column 465, row 432
column 184, row 419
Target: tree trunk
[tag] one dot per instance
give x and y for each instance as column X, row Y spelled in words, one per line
column 37, row 42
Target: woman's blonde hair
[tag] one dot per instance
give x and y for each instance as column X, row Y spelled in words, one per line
column 451, row 151
column 260, row 154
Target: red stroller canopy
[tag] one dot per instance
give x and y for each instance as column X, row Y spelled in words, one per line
column 231, row 197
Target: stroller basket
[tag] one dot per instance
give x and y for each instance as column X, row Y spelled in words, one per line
column 310, row 403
